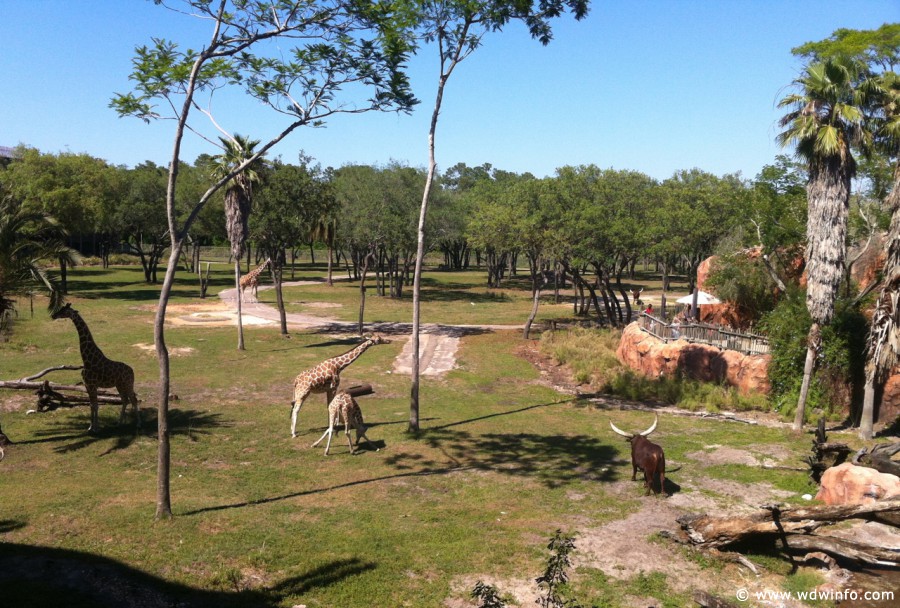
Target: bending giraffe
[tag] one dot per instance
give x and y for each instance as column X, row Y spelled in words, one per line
column 100, row 371
column 251, row 280
column 325, row 377
column 345, row 408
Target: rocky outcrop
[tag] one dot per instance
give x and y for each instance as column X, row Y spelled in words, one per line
column 848, row 484
column 654, row 358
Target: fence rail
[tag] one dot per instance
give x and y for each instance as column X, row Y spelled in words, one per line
column 750, row 344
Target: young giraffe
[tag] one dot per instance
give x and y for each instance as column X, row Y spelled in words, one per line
column 101, row 372
column 325, row 377
column 345, row 408
column 251, row 280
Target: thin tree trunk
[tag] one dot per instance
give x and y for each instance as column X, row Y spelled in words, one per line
column 279, row 298
column 535, row 301
column 420, row 260
column 237, row 285
column 163, row 493
column 867, row 418
column 812, row 348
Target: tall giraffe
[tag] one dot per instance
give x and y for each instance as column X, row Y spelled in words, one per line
column 100, row 371
column 345, row 408
column 251, row 279
column 325, row 377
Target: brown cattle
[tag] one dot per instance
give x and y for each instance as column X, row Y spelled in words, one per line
column 646, row 456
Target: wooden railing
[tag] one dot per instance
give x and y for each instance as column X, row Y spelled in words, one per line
column 701, row 333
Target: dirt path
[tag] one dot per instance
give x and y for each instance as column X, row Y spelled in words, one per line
column 437, row 343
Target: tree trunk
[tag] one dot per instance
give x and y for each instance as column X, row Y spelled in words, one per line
column 163, row 495
column 237, row 285
column 812, row 348
column 867, row 418
column 277, row 275
column 535, row 301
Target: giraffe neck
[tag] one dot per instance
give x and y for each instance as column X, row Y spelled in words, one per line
column 349, row 357
column 89, row 349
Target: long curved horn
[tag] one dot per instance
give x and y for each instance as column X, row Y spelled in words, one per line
column 620, row 431
column 652, row 427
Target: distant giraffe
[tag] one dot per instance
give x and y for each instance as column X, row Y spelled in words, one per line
column 100, row 371
column 251, row 280
column 345, row 408
column 325, row 377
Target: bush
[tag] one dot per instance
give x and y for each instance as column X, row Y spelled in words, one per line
column 839, row 373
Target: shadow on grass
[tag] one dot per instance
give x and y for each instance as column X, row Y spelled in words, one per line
column 48, row 577
column 72, row 434
column 553, row 460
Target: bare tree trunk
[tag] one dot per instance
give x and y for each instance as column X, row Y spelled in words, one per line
column 279, row 298
column 536, row 300
column 812, row 347
column 237, row 285
column 163, row 494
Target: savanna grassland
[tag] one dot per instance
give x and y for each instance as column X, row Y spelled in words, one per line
column 261, row 519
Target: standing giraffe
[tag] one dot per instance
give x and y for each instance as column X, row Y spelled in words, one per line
column 251, row 280
column 325, row 377
column 345, row 408
column 100, row 371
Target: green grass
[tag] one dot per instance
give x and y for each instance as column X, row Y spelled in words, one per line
column 591, row 356
column 263, row 520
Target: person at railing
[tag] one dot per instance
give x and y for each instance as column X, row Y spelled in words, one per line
column 649, row 309
column 676, row 328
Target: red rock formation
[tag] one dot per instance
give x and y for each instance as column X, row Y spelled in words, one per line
column 652, row 357
column 848, row 484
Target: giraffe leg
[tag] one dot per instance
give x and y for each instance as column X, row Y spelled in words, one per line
column 125, row 396
column 362, row 435
column 295, row 407
column 136, row 409
column 92, row 397
column 347, row 434
column 327, row 432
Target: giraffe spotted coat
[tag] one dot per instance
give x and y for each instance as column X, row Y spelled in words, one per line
column 325, row 378
column 344, row 408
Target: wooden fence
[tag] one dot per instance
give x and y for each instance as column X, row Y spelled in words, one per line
column 701, row 333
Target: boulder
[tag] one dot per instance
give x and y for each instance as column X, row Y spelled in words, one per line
column 849, row 484
column 654, row 358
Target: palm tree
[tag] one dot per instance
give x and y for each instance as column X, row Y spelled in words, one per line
column 883, row 343
column 238, row 200
column 26, row 239
column 824, row 122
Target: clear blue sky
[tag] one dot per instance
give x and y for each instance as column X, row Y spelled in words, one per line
column 654, row 86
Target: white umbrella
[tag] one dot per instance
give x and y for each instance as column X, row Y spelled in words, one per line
column 702, row 298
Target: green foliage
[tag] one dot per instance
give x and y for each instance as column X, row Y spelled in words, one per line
column 552, row 582
column 841, row 358
column 488, row 596
column 743, row 281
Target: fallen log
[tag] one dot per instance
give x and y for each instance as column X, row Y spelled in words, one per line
column 50, row 395
column 718, row 532
column 358, row 390
column 847, row 549
column 879, row 458
column 708, row 600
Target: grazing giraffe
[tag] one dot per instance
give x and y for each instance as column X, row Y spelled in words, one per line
column 100, row 371
column 325, row 377
column 251, row 280
column 345, row 408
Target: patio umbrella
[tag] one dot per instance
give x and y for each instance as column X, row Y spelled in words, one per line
column 702, row 298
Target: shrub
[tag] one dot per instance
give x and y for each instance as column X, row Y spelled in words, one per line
column 840, row 369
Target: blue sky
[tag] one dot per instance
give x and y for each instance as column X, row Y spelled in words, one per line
column 649, row 85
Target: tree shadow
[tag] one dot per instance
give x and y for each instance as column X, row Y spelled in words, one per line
column 72, row 433
column 50, row 577
column 8, row 525
column 553, row 460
